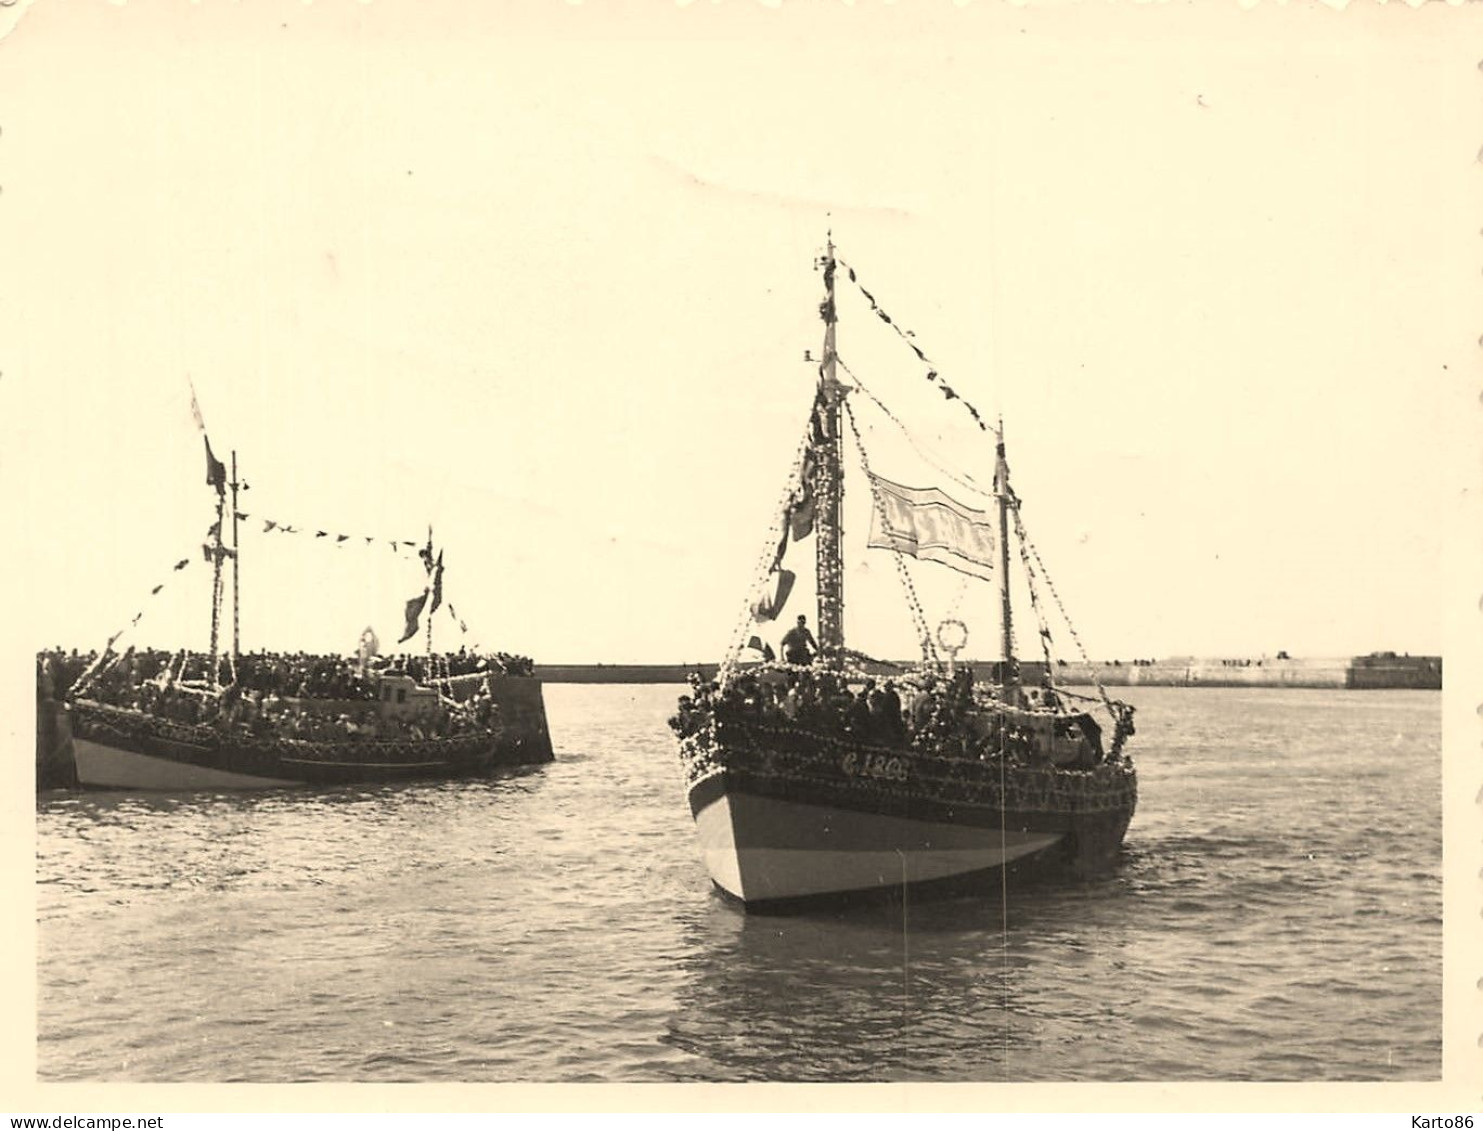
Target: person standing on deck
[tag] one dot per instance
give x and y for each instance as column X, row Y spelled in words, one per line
column 799, row 644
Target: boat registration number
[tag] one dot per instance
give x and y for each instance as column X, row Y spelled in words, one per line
column 873, row 766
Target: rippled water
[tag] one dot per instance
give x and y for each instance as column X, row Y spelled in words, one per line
column 1277, row 917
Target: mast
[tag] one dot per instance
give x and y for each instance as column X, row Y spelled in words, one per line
column 216, row 579
column 1001, row 489
column 431, row 580
column 236, row 557
column 829, row 486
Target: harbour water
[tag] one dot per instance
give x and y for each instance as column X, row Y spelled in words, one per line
column 1277, row 916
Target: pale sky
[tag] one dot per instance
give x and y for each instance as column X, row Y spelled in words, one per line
column 546, row 281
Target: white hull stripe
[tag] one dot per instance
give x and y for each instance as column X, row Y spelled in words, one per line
column 105, row 767
column 760, row 848
column 337, row 764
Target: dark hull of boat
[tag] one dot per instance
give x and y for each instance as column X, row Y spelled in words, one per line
column 787, row 820
column 116, row 749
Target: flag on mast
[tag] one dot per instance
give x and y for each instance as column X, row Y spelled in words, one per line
column 413, row 615
column 216, row 471
column 437, row 585
column 930, row 526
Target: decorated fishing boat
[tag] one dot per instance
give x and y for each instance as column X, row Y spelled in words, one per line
column 824, row 773
column 134, row 718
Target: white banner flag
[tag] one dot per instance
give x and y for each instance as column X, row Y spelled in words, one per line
column 925, row 523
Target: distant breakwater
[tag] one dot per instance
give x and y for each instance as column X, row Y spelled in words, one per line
column 1378, row 671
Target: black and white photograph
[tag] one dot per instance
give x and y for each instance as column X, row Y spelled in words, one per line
column 738, row 544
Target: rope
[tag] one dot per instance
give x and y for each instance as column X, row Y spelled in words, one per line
column 929, row 649
column 1040, row 621
column 963, row 479
column 1065, row 616
column 764, row 564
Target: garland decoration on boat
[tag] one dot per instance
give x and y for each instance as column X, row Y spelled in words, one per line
column 1122, row 713
column 960, row 635
column 1030, row 575
column 1027, row 547
column 907, row 336
column 100, row 719
column 800, row 757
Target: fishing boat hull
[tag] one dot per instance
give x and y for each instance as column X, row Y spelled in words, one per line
column 114, row 748
column 785, row 819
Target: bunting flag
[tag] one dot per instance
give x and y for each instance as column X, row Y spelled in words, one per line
column 426, row 553
column 437, row 584
column 413, row 614
column 770, row 604
column 463, row 628
column 341, row 538
column 906, row 336
column 103, row 660
column 925, row 523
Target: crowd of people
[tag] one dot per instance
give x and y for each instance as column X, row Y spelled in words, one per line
column 938, row 713
column 282, row 695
